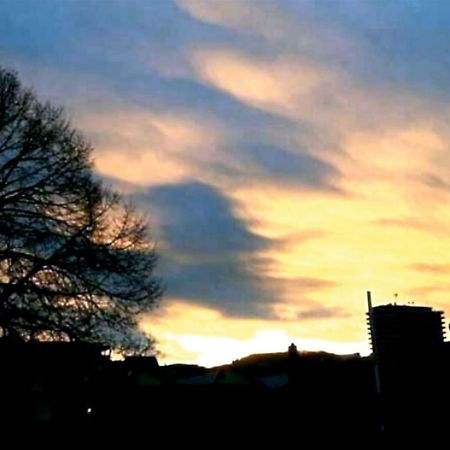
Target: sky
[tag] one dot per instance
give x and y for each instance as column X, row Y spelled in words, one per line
column 290, row 155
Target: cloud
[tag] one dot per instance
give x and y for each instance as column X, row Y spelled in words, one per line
column 430, row 226
column 210, row 251
column 262, row 82
column 405, row 43
column 435, row 182
column 197, row 218
column 288, row 167
column 265, row 18
column 279, row 109
column 211, row 257
column 277, row 83
column 438, row 291
column 150, row 147
column 431, row 268
column 289, row 26
column 320, row 313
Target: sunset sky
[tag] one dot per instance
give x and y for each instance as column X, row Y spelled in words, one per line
column 290, row 154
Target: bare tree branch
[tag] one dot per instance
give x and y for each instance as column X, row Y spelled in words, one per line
column 76, row 261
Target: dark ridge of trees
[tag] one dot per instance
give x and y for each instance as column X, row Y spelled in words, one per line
column 76, row 261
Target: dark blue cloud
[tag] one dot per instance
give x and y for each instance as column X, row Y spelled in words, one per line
column 289, row 167
column 227, row 285
column 211, row 256
column 198, row 219
column 210, row 250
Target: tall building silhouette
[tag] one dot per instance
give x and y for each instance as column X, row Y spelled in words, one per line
column 400, row 331
column 408, row 351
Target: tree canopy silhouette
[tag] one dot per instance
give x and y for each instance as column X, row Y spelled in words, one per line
column 76, row 261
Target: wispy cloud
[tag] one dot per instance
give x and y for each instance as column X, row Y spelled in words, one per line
column 432, row 268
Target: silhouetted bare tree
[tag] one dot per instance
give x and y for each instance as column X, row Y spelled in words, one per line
column 75, row 259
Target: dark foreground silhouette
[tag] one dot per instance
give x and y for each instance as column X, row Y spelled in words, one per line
column 68, row 395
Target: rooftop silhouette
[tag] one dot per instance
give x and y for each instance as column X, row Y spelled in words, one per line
column 387, row 398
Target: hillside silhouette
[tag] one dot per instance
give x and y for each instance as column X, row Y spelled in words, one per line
column 59, row 390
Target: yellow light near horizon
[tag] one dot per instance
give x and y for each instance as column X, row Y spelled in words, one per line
column 192, row 334
column 213, row 351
